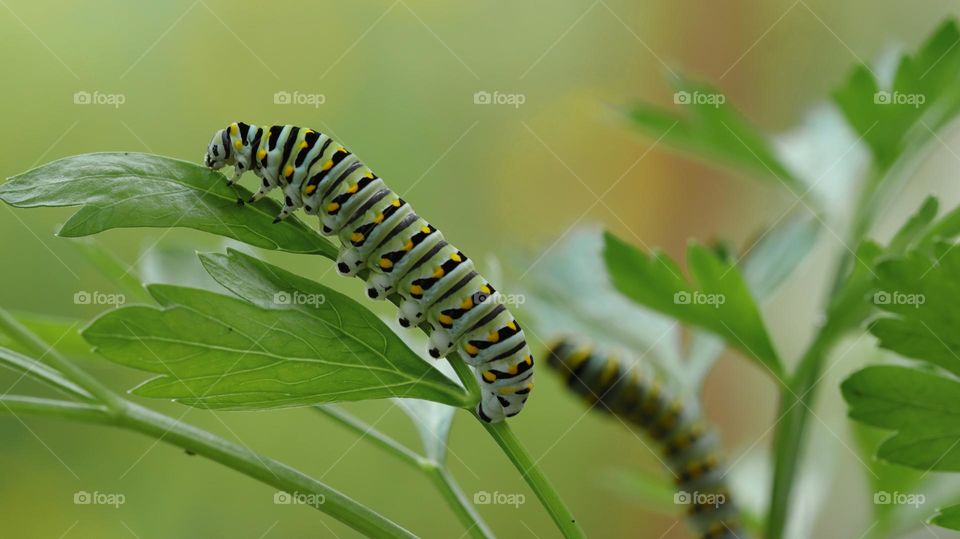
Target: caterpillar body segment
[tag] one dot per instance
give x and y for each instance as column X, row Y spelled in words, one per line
column 402, row 253
column 690, row 449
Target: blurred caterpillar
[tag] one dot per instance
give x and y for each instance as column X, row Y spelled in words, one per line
column 405, row 255
column 689, row 448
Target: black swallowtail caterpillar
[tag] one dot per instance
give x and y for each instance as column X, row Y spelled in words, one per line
column 404, row 255
column 640, row 398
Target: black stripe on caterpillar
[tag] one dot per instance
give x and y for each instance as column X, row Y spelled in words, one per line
column 401, row 252
column 640, row 398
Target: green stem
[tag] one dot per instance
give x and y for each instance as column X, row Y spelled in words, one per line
column 796, row 401
column 46, row 353
column 534, row 477
column 119, row 412
column 436, row 471
column 458, row 501
column 265, row 470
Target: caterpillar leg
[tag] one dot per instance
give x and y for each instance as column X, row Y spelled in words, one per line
column 291, row 202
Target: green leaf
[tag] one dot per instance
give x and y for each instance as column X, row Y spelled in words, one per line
column 59, row 332
column 923, row 408
column 947, row 517
column 777, row 254
column 922, row 300
column 215, row 351
column 717, row 300
column 712, row 128
column 124, row 190
column 112, row 268
column 922, row 97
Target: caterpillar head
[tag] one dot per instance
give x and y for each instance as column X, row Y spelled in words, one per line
column 218, row 151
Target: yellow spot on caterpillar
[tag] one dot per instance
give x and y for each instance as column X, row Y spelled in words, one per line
column 356, row 237
column 385, row 263
column 369, row 175
column 494, row 336
column 489, row 376
column 437, row 273
column 238, row 144
column 378, row 219
column 485, row 289
column 528, row 360
column 333, row 206
column 261, row 154
column 416, row 290
column 513, row 369
column 445, row 320
column 396, row 203
column 353, row 188
column 310, row 189
column 327, row 165
column 455, row 257
column 407, row 246
column 425, row 229
column 342, row 149
column 471, row 349
column 609, row 371
column 467, row 304
column 505, row 391
column 234, row 129
column 287, row 172
column 512, row 325
column 304, row 145
column 530, row 387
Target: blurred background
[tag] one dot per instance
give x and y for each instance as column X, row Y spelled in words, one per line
column 398, row 83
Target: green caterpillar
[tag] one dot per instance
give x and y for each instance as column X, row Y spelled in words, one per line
column 689, row 448
column 404, row 255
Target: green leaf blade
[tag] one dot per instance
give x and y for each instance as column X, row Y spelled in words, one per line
column 718, row 300
column 218, row 352
column 131, row 190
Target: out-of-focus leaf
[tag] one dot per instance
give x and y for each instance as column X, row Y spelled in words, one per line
column 921, row 296
column 176, row 264
column 124, row 190
column 215, row 351
column 948, row 517
column 923, row 408
column 433, row 421
column 777, row 254
column 572, row 292
column 60, row 332
column 712, row 128
column 717, row 300
column 922, row 97
column 112, row 268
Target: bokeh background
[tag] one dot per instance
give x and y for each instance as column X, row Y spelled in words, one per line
column 398, row 80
